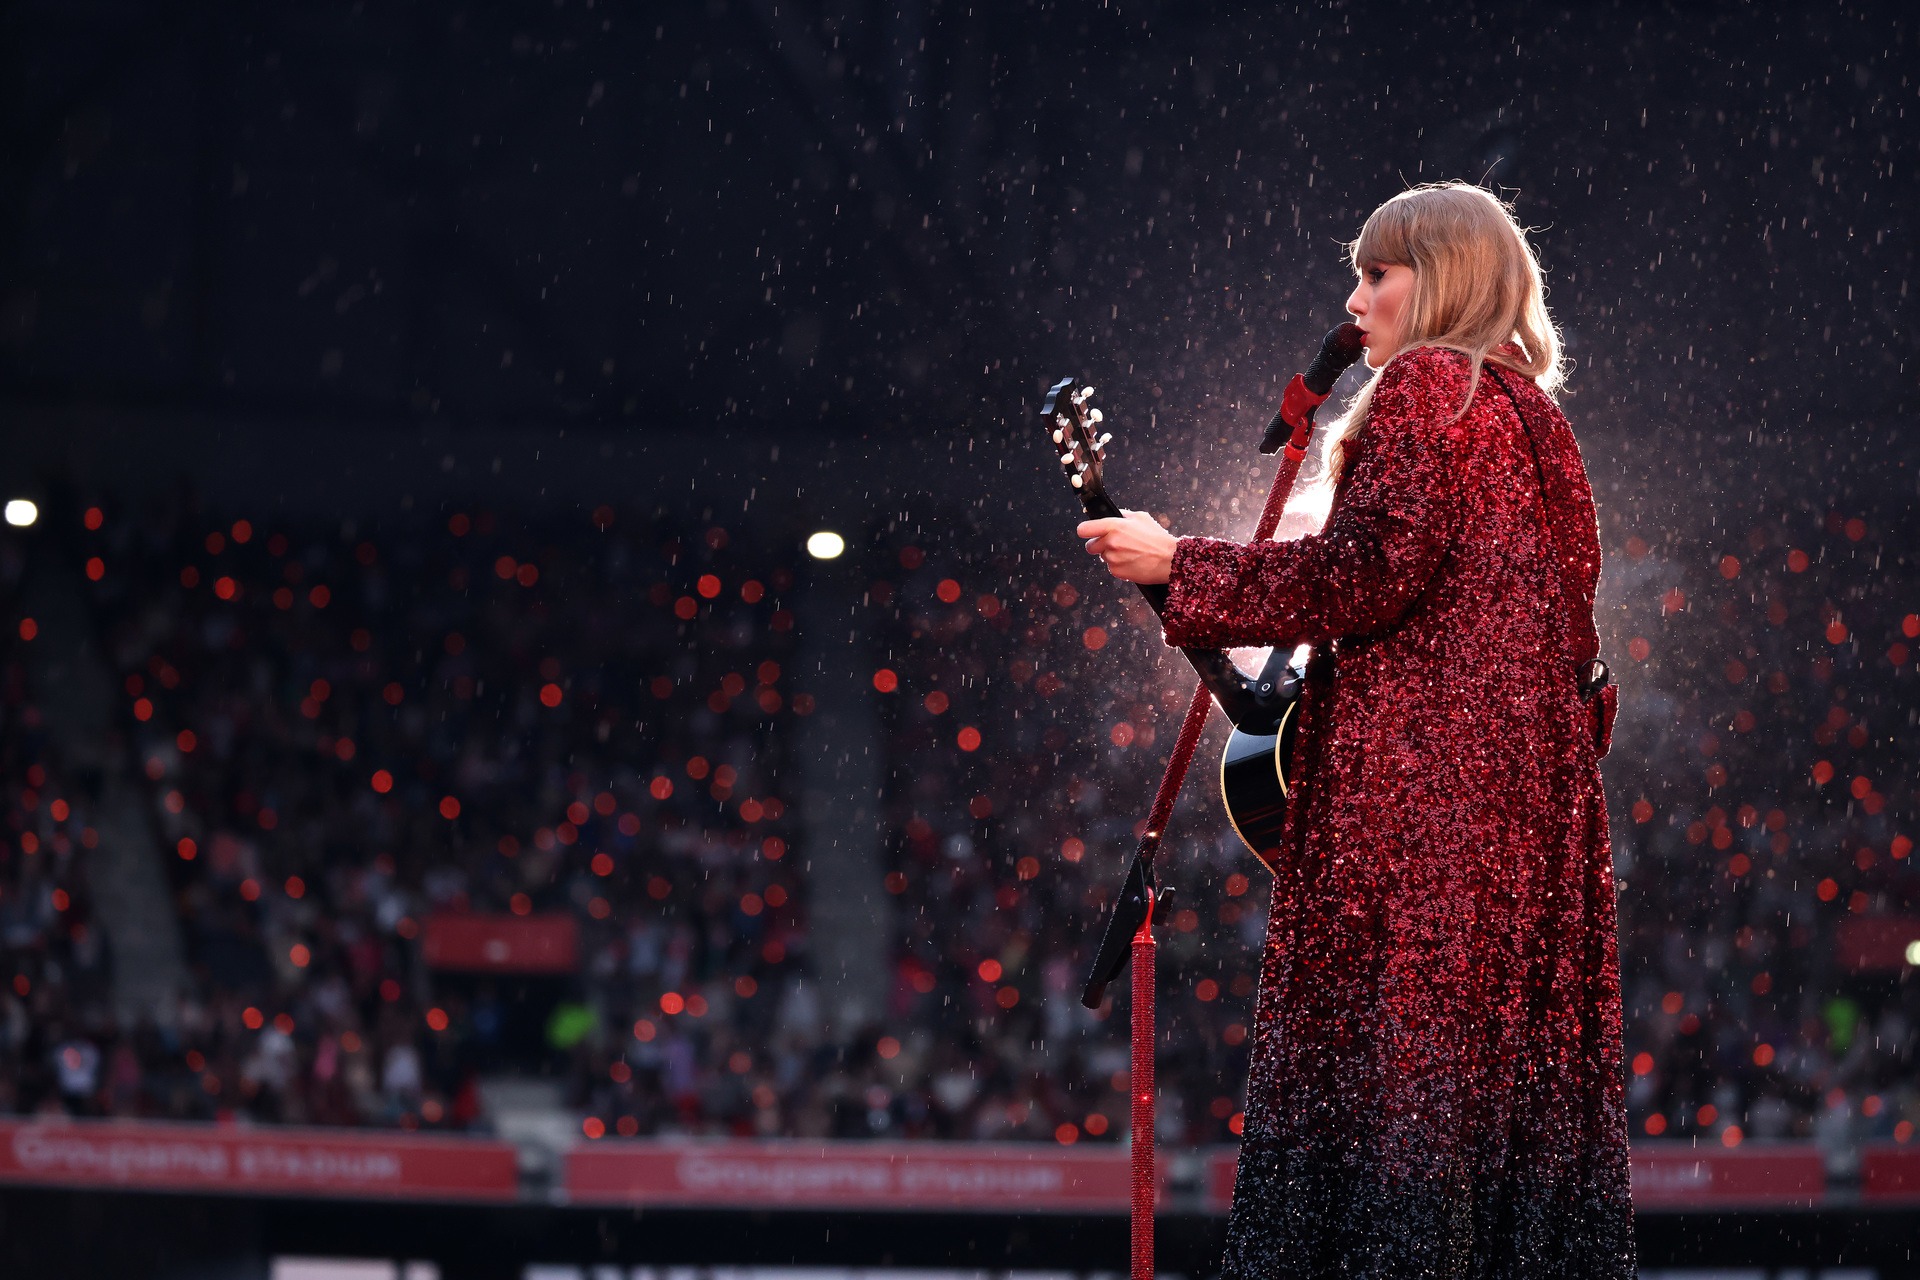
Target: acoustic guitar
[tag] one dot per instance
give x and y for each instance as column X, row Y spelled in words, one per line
column 1253, row 769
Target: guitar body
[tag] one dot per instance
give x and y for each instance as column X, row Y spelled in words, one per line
column 1254, row 785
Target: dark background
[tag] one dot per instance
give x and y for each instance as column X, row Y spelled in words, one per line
column 799, row 261
column 888, row 226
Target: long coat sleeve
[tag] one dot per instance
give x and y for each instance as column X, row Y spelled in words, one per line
column 1436, row 1086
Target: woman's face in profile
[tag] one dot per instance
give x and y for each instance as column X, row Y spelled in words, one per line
column 1378, row 304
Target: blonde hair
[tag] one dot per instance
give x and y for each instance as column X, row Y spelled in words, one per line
column 1476, row 290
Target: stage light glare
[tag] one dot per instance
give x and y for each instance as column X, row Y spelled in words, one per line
column 21, row 512
column 824, row 545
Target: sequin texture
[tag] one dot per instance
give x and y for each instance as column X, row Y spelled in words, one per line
column 1437, row 1080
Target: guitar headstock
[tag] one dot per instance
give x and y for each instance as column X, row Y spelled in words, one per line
column 1074, row 427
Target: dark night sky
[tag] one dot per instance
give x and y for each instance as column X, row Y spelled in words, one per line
column 890, row 225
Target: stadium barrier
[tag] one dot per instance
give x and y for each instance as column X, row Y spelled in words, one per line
column 849, row 1175
column 1890, row 1175
column 958, row 1177
column 255, row 1161
column 189, row 1200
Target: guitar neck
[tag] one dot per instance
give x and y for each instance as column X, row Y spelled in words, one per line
column 1100, row 507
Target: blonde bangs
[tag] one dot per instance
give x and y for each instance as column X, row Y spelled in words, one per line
column 1384, row 238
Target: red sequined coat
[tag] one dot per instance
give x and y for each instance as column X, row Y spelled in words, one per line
column 1436, row 1086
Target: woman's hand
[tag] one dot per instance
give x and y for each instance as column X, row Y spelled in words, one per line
column 1136, row 548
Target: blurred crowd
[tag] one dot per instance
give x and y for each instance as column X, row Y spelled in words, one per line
column 58, row 1043
column 345, row 733
column 1764, row 805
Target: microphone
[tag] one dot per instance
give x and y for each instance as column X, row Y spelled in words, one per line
column 1308, row 391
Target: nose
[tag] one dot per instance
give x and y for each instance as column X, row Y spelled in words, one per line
column 1356, row 305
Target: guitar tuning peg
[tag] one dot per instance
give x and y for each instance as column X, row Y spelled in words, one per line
column 1086, row 394
column 1074, row 480
column 1059, row 437
column 1101, row 443
column 1061, row 420
column 1096, row 415
column 1066, row 459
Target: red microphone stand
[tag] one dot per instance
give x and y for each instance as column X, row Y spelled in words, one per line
column 1296, row 409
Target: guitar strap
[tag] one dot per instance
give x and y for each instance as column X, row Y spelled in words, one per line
column 1594, row 678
